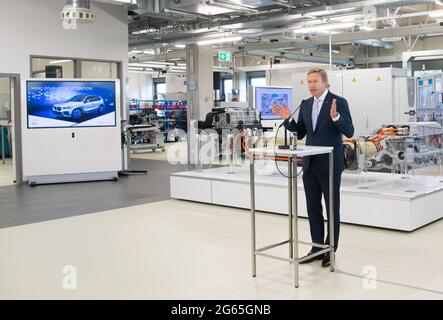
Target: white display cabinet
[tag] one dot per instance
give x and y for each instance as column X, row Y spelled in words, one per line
column 387, row 201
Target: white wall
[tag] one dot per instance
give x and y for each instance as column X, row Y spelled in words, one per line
column 204, row 82
column 175, row 84
column 29, row 27
column 140, row 86
column 100, row 70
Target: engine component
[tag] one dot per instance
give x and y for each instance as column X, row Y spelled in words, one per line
column 399, row 147
column 236, row 118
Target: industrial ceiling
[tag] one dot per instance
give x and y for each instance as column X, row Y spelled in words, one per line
column 289, row 29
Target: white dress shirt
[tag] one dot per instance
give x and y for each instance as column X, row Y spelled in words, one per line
column 320, row 100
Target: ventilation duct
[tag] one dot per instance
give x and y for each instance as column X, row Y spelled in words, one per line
column 85, row 4
column 390, row 24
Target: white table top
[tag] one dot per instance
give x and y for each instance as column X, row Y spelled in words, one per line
column 302, row 151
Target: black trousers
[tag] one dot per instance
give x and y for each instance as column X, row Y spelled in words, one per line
column 316, row 184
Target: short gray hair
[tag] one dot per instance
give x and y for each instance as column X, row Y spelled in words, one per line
column 322, row 72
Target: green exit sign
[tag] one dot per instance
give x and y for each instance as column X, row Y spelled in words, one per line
column 224, row 56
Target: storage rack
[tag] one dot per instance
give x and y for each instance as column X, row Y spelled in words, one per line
column 168, row 114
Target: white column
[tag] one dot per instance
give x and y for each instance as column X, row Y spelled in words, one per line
column 200, row 92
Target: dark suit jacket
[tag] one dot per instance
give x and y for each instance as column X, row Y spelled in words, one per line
column 327, row 132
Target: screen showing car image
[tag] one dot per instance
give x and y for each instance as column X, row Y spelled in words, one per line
column 267, row 97
column 60, row 104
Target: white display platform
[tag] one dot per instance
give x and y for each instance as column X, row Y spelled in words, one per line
column 389, row 201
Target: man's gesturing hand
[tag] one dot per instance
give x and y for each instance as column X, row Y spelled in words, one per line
column 334, row 112
column 282, row 111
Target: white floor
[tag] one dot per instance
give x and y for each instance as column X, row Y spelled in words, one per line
column 6, row 173
column 176, row 150
column 183, row 250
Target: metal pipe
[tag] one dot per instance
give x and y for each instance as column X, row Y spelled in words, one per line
column 330, row 50
column 79, row 3
column 362, row 4
column 312, row 244
column 374, row 43
column 331, row 209
column 253, row 239
column 302, row 57
column 271, row 246
column 295, row 221
column 349, row 37
column 299, row 14
column 290, row 209
column 313, row 255
column 272, row 257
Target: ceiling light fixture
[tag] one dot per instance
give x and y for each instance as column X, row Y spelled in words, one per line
column 180, row 46
column 327, row 27
column 329, row 12
column 436, row 14
column 428, row 58
column 140, row 69
column 59, row 61
column 144, row 72
column 219, row 40
column 367, row 28
column 152, row 62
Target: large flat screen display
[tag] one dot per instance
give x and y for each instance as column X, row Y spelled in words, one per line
column 61, row 104
column 267, row 97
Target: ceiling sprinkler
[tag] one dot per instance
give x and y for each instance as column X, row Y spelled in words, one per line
column 75, row 12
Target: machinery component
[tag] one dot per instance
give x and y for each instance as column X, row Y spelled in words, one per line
column 142, row 137
column 232, row 118
column 430, row 98
column 399, row 147
column 243, row 122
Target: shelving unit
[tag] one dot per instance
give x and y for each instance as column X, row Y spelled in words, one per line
column 168, row 114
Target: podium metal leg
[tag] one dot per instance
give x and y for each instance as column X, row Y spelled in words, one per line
column 253, row 239
column 331, row 210
column 290, row 208
column 294, row 221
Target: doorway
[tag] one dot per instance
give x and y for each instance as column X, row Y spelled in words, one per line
column 10, row 137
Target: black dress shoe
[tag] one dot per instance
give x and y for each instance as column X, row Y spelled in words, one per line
column 326, row 260
column 319, row 257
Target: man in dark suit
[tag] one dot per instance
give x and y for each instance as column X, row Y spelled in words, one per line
column 323, row 119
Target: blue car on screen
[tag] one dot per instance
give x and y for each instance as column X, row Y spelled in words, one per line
column 78, row 106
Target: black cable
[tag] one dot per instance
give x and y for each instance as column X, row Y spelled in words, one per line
column 275, row 160
column 275, row 143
